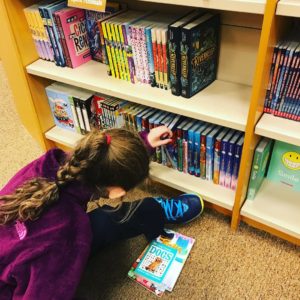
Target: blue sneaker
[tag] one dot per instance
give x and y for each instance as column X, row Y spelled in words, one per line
column 181, row 209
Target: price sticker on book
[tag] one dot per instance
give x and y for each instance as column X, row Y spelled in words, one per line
column 98, row 5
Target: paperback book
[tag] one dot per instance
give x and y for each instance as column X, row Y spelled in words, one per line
column 160, row 264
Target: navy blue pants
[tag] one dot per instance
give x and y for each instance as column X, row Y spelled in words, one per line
column 145, row 217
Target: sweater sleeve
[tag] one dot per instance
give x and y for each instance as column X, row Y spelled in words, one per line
column 54, row 274
column 144, row 137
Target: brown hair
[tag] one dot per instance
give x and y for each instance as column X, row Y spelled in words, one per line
column 116, row 157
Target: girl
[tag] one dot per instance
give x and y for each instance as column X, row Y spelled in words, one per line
column 46, row 236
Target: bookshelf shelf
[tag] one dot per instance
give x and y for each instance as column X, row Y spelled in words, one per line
column 205, row 106
column 246, row 6
column 290, row 8
column 276, row 206
column 212, row 193
column 284, row 130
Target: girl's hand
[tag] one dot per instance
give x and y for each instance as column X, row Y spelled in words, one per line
column 159, row 136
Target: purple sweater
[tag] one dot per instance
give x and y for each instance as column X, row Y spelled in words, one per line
column 44, row 259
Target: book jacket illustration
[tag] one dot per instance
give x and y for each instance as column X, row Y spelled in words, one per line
column 199, row 56
column 61, row 109
column 285, row 165
column 160, row 264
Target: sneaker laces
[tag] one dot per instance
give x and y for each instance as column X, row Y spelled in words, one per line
column 168, row 206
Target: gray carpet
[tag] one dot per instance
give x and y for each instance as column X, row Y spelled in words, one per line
column 247, row 264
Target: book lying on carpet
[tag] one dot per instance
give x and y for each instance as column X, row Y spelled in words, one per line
column 160, row 264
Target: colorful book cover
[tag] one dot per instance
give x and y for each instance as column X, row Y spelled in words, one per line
column 60, row 108
column 217, row 154
column 199, row 53
column 174, row 50
column 210, row 151
column 285, row 165
column 224, row 156
column 160, row 264
column 48, row 12
column 261, row 158
column 92, row 20
column 236, row 162
column 179, row 144
column 203, row 150
column 183, row 147
column 97, row 5
column 74, row 28
column 197, row 144
column 230, row 159
column 191, row 145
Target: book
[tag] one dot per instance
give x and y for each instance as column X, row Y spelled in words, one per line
column 203, row 149
column 199, row 53
column 224, row 156
column 160, row 264
column 217, row 154
column 183, row 145
column 230, row 159
column 236, row 162
column 97, row 5
column 60, row 108
column 74, row 34
column 284, row 168
column 174, row 50
column 261, row 158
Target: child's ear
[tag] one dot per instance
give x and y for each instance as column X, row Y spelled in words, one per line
column 115, row 192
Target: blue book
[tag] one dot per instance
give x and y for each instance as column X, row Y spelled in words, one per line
column 139, row 118
column 150, row 55
column 224, row 156
column 48, row 11
column 217, row 154
column 184, row 144
column 210, row 147
column 197, row 143
column 236, row 162
column 166, row 121
column 230, row 158
column 61, row 108
column 191, row 144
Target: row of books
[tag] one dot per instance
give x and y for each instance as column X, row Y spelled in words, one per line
column 283, row 92
column 278, row 162
column 165, row 51
column 202, row 149
column 60, row 33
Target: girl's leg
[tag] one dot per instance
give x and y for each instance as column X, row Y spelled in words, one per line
column 146, row 217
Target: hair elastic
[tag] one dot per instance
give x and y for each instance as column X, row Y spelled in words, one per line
column 108, row 139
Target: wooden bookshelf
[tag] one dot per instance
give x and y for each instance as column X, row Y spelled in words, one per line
column 284, row 130
column 204, row 106
column 289, row 8
column 212, row 193
column 249, row 31
column 276, row 206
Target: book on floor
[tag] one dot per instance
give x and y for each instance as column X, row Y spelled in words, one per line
column 160, row 264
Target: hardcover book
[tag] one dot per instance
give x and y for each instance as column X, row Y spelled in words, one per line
column 159, row 266
column 199, row 54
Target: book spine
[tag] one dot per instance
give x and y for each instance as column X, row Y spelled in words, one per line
column 79, row 114
column 135, row 57
column 223, row 160
column 160, row 80
column 66, row 52
column 185, row 150
column 113, row 50
column 203, row 156
column 129, row 52
column 150, row 56
column 229, row 165
column 103, row 58
column 111, row 70
column 174, row 59
column 217, row 160
column 164, row 40
column 124, row 54
column 209, row 157
column 75, row 116
column 191, row 167
column 253, row 183
column 197, row 143
column 184, row 63
column 155, row 57
column 236, row 166
column 115, row 36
